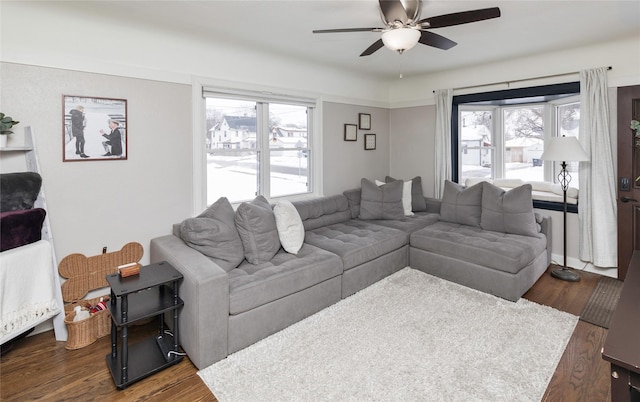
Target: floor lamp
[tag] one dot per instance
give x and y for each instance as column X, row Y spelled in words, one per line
column 564, row 149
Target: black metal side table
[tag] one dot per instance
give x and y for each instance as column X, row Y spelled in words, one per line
column 153, row 292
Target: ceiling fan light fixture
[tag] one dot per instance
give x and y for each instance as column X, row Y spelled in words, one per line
column 401, row 39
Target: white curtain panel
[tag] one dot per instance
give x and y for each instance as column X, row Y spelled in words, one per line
column 597, row 211
column 444, row 99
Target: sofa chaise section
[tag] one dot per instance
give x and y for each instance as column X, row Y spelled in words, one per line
column 486, row 239
column 505, row 265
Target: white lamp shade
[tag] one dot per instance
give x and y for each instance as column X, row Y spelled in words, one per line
column 563, row 149
column 401, row 39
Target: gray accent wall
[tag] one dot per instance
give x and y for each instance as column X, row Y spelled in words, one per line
column 412, row 135
column 346, row 162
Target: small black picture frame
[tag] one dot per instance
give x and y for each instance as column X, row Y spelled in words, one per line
column 364, row 121
column 369, row 142
column 350, row 132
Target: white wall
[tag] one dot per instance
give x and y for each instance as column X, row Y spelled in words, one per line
column 621, row 55
column 38, row 33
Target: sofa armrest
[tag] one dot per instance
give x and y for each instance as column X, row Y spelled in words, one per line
column 545, row 228
column 205, row 291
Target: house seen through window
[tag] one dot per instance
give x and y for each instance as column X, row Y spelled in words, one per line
column 505, row 138
column 256, row 147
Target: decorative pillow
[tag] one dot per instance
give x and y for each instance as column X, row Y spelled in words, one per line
column 510, row 183
column 384, row 202
column 258, row 231
column 290, row 227
column 508, row 212
column 19, row 190
column 461, row 205
column 406, row 196
column 353, row 197
column 18, row 228
column 214, row 234
column 418, row 202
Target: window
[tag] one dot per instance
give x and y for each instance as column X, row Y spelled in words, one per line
column 257, row 145
column 502, row 134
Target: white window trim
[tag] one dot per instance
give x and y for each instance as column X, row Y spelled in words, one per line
column 199, row 84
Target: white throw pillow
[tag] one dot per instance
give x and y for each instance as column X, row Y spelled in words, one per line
column 406, row 196
column 289, row 224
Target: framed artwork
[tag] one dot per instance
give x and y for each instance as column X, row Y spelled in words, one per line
column 369, row 142
column 364, row 121
column 93, row 129
column 350, row 132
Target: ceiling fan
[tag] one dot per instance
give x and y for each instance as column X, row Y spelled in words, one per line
column 404, row 29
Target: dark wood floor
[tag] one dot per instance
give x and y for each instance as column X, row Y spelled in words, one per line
column 40, row 368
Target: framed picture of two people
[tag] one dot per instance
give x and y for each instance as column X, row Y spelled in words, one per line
column 94, row 129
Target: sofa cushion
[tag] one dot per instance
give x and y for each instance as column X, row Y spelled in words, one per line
column 383, row 202
column 256, row 225
column 502, row 251
column 418, row 203
column 19, row 190
column 406, row 196
column 357, row 241
column 508, row 211
column 461, row 205
column 289, row 224
column 21, row 227
column 252, row 285
column 323, row 211
column 353, row 197
column 409, row 224
column 214, row 234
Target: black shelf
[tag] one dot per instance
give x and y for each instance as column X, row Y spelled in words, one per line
column 145, row 304
column 145, row 358
column 152, row 292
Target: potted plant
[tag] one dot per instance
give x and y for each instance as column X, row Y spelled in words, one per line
column 6, row 122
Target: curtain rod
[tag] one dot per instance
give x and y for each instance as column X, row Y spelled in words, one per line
column 519, row 80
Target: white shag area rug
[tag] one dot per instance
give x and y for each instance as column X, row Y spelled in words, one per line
column 409, row 337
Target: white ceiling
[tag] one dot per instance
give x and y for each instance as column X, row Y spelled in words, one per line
column 284, row 28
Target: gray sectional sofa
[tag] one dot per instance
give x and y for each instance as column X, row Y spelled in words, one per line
column 242, row 286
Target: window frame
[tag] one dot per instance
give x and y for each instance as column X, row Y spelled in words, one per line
column 519, row 96
column 203, row 88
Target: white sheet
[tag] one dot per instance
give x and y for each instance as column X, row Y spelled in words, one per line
column 27, row 289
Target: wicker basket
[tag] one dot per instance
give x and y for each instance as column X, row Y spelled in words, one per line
column 84, row 332
column 85, row 274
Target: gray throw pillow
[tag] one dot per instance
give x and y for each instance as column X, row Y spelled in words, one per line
column 214, row 234
column 461, row 205
column 256, row 224
column 353, row 197
column 383, row 202
column 508, row 211
column 418, row 203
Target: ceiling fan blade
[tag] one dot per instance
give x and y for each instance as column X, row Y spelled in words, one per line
column 431, row 39
column 393, row 10
column 347, row 30
column 463, row 17
column 371, row 49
